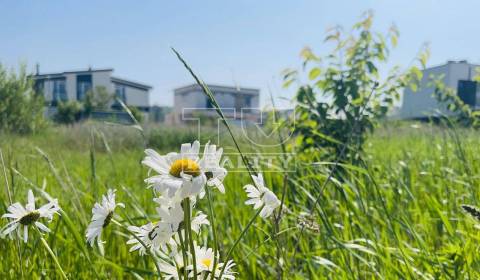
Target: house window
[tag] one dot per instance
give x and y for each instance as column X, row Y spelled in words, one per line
column 120, row 93
column 59, row 91
column 248, row 101
column 84, row 84
column 467, row 91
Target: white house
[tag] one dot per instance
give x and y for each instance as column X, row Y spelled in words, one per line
column 74, row 85
column 457, row 75
column 236, row 102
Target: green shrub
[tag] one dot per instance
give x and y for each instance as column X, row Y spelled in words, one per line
column 68, row 112
column 21, row 109
column 346, row 95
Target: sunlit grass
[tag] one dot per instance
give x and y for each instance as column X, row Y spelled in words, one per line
column 397, row 216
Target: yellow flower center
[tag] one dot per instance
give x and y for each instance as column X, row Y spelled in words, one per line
column 206, row 262
column 186, row 166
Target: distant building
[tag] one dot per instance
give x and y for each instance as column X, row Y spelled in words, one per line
column 236, row 102
column 159, row 113
column 457, row 75
column 74, row 85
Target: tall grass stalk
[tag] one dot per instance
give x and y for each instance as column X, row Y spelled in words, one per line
column 244, row 231
column 189, row 235
column 51, row 253
column 9, row 195
column 216, row 254
column 250, row 169
column 219, row 111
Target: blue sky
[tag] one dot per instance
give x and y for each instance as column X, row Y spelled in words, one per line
column 245, row 42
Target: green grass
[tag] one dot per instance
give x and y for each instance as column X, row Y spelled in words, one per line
column 397, row 216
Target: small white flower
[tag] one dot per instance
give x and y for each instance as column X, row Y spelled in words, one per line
column 144, row 233
column 29, row 215
column 102, row 216
column 205, row 258
column 261, row 196
column 228, row 273
column 170, row 212
column 211, row 166
column 169, row 268
column 154, row 235
column 179, row 174
column 199, row 220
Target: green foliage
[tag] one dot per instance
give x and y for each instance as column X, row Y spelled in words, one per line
column 345, row 96
column 463, row 114
column 21, row 110
column 68, row 112
column 97, row 99
column 397, row 217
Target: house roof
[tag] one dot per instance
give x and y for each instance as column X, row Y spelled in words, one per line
column 231, row 89
column 130, row 83
column 90, row 70
column 73, row 72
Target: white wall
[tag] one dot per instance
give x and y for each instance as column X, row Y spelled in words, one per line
column 421, row 103
column 136, row 97
column 71, row 86
column 103, row 79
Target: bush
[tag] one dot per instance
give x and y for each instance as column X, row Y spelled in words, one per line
column 346, row 95
column 68, row 112
column 21, row 109
column 97, row 99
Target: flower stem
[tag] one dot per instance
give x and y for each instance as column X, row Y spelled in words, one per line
column 52, row 254
column 184, row 254
column 214, row 232
column 250, row 223
column 188, row 233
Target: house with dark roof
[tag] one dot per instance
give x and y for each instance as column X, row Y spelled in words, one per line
column 237, row 103
column 74, row 85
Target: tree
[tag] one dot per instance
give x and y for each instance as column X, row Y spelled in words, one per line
column 97, row 99
column 68, row 112
column 345, row 95
column 21, row 109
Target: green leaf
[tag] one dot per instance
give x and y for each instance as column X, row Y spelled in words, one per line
column 314, row 73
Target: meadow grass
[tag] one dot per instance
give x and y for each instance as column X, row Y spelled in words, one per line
column 396, row 216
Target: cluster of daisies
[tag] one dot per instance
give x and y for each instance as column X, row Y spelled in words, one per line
column 180, row 180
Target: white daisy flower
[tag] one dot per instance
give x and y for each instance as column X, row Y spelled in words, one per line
column 228, row 273
column 179, row 174
column 23, row 217
column 170, row 212
column 205, row 260
column 154, row 235
column 211, row 166
column 102, row 216
column 204, row 257
column 199, row 220
column 144, row 233
column 169, row 268
column 261, row 196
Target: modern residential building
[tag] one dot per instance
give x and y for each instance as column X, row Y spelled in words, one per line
column 236, row 102
column 74, row 85
column 457, row 75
